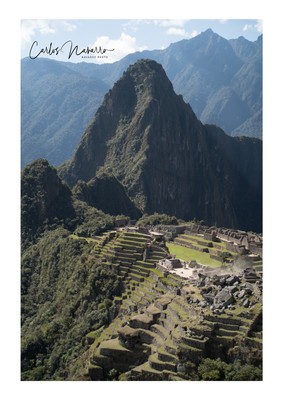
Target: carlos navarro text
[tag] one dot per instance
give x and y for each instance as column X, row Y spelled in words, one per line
column 69, row 48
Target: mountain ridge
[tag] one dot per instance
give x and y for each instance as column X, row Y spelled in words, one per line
column 167, row 160
column 199, row 69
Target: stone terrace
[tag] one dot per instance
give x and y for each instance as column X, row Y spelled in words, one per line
column 164, row 321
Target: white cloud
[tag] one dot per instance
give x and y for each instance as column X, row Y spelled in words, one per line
column 122, row 46
column 181, row 32
column 194, row 33
column 69, row 26
column 223, row 21
column 176, row 31
column 247, row 27
column 134, row 24
column 170, row 22
column 31, row 27
column 174, row 26
column 257, row 26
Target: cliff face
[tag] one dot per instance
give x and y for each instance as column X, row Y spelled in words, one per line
column 167, row 160
column 45, row 198
column 106, row 193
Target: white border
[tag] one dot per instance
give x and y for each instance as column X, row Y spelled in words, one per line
column 11, row 387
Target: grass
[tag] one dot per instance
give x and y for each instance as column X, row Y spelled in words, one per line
column 168, row 282
column 113, row 344
column 187, row 254
column 220, row 246
column 147, row 368
column 201, row 239
column 157, row 273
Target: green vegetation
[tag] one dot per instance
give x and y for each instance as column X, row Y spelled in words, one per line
column 217, row 370
column 157, row 219
column 47, row 203
column 58, row 102
column 81, row 282
column 188, row 254
column 65, row 294
column 106, row 193
column 89, row 240
column 92, row 336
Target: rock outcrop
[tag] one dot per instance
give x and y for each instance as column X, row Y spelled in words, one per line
column 106, row 193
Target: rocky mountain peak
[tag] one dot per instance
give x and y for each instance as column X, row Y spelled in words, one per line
column 123, row 124
column 146, row 71
column 164, row 157
column 208, row 32
column 142, row 81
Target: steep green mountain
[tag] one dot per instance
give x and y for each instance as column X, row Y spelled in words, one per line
column 221, row 79
column 167, row 160
column 45, row 200
column 106, row 193
column 47, row 203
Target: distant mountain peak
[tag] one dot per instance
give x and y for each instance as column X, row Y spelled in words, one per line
column 208, row 32
column 59, row 100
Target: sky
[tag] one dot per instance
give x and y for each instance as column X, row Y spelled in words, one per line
column 45, row 37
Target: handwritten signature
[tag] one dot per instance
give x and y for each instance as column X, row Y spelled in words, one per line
column 68, row 46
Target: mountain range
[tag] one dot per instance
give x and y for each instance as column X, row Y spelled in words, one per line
column 83, row 282
column 221, row 80
column 150, row 139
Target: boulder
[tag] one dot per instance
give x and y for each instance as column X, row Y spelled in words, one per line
column 216, row 280
column 222, row 281
column 209, row 297
column 223, row 298
column 207, row 281
column 246, row 303
column 231, row 280
column 249, row 288
column 232, row 289
column 242, row 294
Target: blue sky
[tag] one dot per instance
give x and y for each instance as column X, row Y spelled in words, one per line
column 123, row 35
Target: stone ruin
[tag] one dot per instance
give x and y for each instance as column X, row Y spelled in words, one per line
column 159, row 328
column 201, row 321
column 171, row 263
column 236, row 240
column 223, row 291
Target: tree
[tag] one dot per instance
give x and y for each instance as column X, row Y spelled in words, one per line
column 211, row 370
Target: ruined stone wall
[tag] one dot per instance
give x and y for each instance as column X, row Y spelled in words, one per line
column 253, row 248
